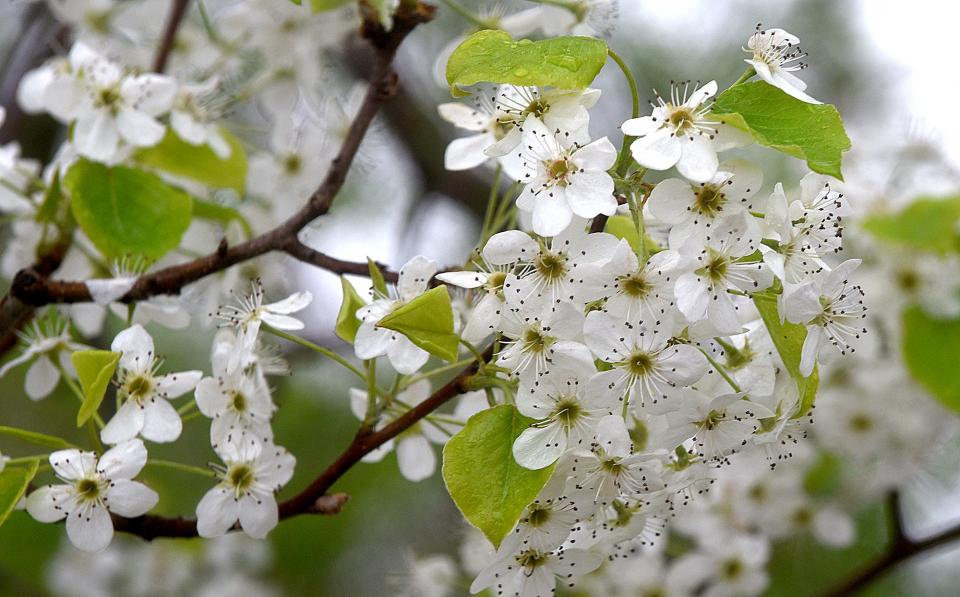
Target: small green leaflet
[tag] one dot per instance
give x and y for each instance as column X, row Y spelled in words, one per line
column 811, row 132
column 13, row 484
column 322, row 5
column 175, row 156
column 930, row 349
column 347, row 322
column 622, row 227
column 33, row 437
column 428, row 322
column 52, row 200
column 492, row 56
column 483, row 478
column 126, row 211
column 927, row 224
column 95, row 369
column 376, row 277
column 788, row 339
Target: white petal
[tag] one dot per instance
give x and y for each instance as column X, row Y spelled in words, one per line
column 639, row 127
column 463, row 116
column 371, row 341
column 551, row 214
column 597, row 155
column 174, row 385
column 108, row 290
column 510, row 246
column 591, row 194
column 125, row 424
column 46, row 503
column 810, row 350
column 258, row 515
column 123, row 461
column 130, row 498
column 151, row 93
column 139, row 129
column 415, row 276
column 216, row 513
column 671, row 201
column 210, row 399
column 658, row 150
column 137, row 348
column 90, row 532
column 293, row 303
column 281, row 322
column 467, row 152
column 161, row 423
column 42, row 378
column 95, row 136
column 463, row 279
column 698, row 161
column 538, row 447
column 415, row 457
column 405, row 356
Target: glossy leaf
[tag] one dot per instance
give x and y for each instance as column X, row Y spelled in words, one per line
column 347, row 322
column 788, row 339
column 13, row 484
column 811, row 132
column 198, row 162
column 126, row 211
column 428, row 322
column 95, row 369
column 492, row 56
column 927, row 224
column 930, row 349
column 482, row 477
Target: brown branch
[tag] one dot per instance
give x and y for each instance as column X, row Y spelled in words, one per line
column 902, row 548
column 313, row 499
column 178, row 8
column 302, row 252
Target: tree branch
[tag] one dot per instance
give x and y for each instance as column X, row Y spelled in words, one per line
column 178, row 8
column 313, row 499
column 902, row 548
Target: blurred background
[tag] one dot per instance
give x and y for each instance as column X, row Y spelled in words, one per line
column 889, row 69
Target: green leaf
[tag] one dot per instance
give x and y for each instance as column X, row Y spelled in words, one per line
column 376, row 277
column 347, row 322
column 825, row 477
column 927, row 224
column 493, row 56
column 52, row 200
column 208, row 210
column 198, row 162
column 483, row 478
column 788, row 339
column 33, row 437
column 428, row 322
column 930, row 349
column 623, row 227
column 13, row 484
column 95, row 369
column 322, row 5
column 811, row 132
column 125, row 211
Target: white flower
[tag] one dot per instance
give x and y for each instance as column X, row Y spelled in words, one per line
column 693, row 209
column 563, row 178
column 594, row 18
column 800, row 244
column 703, row 292
column 535, row 335
column 247, row 316
column 145, row 409
column 681, row 133
column 831, row 309
column 254, row 471
column 562, row 111
column 372, row 341
column 719, row 426
column 487, row 283
column 192, row 116
column 486, row 120
column 567, row 413
column 45, row 340
column 733, row 567
column 234, row 400
column 776, row 57
column 532, row 573
column 92, row 489
column 646, row 366
column 639, row 292
column 414, row 454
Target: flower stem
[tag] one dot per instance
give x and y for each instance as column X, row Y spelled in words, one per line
column 314, row 347
column 27, row 459
column 723, row 373
column 187, row 407
column 746, row 75
column 623, row 161
column 438, row 371
column 369, row 417
column 186, row 468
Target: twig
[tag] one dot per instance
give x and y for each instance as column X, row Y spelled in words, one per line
column 178, row 8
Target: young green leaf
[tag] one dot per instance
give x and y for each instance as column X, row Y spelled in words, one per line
column 483, row 478
column 13, row 484
column 930, row 349
column 492, row 56
column 927, row 224
column 376, row 277
column 198, row 162
column 52, row 200
column 126, row 211
column 95, row 369
column 622, row 227
column 811, row 132
column 428, row 322
column 788, row 339
column 33, row 437
column 209, row 210
column 347, row 322
column 322, row 5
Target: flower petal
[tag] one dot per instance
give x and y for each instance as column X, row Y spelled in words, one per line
column 130, row 498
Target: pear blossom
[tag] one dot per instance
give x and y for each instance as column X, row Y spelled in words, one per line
column 254, row 471
column 372, row 341
column 593, row 18
column 485, row 120
column 144, row 393
column 719, row 425
column 532, row 572
column 564, row 111
column 564, row 179
column 93, row 488
column 193, row 113
column 776, row 56
column 831, row 308
column 681, row 133
column 732, row 568
column 250, row 312
column 487, row 283
column 536, row 335
column 47, row 346
column 638, row 292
